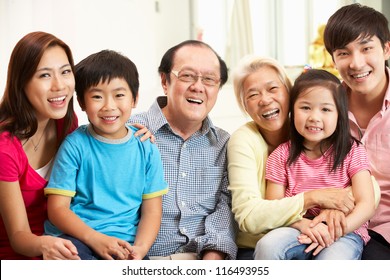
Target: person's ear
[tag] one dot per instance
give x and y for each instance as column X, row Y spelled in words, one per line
column 81, row 103
column 135, row 103
column 386, row 50
column 164, row 82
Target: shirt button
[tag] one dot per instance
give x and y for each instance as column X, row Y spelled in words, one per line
column 183, row 230
column 183, row 174
column 183, row 204
column 185, row 145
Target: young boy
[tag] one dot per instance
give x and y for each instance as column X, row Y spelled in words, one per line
column 105, row 189
column 358, row 38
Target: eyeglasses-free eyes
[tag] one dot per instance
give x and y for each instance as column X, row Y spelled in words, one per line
column 190, row 77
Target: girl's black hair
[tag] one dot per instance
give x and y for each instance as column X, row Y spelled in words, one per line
column 341, row 140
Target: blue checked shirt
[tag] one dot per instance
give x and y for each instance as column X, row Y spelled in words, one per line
column 197, row 208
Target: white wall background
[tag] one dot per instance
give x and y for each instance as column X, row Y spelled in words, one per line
column 140, row 29
column 144, row 29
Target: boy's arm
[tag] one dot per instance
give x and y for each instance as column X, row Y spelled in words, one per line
column 69, row 223
column 148, row 227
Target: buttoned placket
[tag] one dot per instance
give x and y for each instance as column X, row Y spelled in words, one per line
column 182, row 191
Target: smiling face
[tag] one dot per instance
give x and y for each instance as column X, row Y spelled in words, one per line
column 315, row 116
column 108, row 106
column 52, row 85
column 361, row 64
column 266, row 99
column 191, row 102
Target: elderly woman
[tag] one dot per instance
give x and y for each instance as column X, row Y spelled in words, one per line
column 262, row 91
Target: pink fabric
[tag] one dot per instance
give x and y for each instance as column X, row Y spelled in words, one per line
column 376, row 139
column 307, row 174
column 14, row 166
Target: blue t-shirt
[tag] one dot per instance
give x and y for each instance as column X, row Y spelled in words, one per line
column 107, row 180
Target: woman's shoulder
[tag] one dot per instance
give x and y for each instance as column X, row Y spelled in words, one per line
column 248, row 132
column 10, row 148
column 247, row 136
column 247, row 129
column 7, row 140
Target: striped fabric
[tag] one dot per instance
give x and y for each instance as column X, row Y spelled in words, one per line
column 307, row 174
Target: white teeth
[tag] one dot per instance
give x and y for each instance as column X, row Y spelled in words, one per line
column 109, row 118
column 57, row 99
column 315, row 128
column 195, row 100
column 362, row 75
column 271, row 113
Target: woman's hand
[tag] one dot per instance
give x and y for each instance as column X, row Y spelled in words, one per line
column 55, row 248
column 335, row 220
column 331, row 198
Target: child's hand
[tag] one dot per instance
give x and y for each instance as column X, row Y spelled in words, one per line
column 317, row 234
column 318, row 237
column 335, row 220
column 137, row 253
column 304, row 239
column 144, row 131
column 110, row 248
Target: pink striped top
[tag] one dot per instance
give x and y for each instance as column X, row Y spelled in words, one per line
column 308, row 174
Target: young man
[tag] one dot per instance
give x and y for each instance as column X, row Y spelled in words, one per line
column 358, row 38
column 197, row 221
column 106, row 185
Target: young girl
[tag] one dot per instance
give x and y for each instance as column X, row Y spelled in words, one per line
column 321, row 153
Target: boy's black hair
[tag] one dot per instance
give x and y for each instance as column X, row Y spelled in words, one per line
column 102, row 67
column 352, row 22
column 341, row 140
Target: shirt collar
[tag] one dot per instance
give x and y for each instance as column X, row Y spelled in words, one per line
column 157, row 119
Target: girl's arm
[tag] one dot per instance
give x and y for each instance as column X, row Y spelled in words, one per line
column 69, row 223
column 274, row 190
column 148, row 227
column 363, row 192
column 22, row 240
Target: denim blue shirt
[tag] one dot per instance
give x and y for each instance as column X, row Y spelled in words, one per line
column 197, row 209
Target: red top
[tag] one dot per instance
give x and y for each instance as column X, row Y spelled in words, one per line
column 14, row 166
